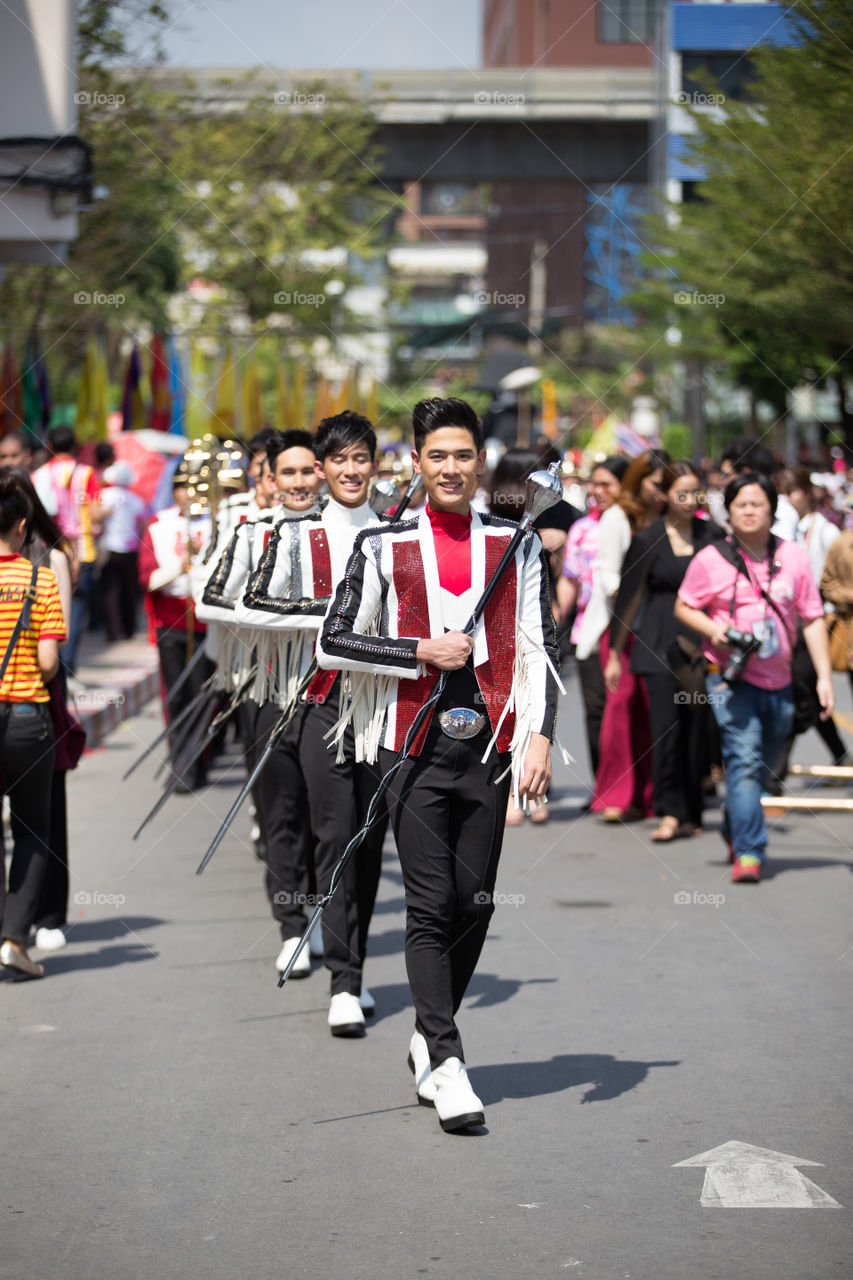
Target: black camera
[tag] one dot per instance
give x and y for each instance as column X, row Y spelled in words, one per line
column 744, row 645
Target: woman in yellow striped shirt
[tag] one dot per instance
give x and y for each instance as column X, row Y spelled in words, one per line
column 26, row 733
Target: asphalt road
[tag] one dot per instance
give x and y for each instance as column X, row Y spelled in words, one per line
column 166, row 1111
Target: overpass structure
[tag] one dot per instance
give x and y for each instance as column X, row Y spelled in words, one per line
column 587, row 124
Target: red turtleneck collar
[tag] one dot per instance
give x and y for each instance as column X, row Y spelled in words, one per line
column 452, row 536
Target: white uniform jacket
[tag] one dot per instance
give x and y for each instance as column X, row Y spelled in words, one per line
column 391, row 598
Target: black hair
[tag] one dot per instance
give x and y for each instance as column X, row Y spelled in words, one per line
column 749, row 455
column 734, row 487
column 260, row 441
column 61, row 440
column 15, row 505
column 105, row 454
column 41, row 524
column 293, row 438
column 342, row 430
column 617, row 464
column 506, row 488
column 432, row 415
column 21, row 438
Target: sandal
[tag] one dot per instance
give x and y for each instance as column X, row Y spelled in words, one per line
column 668, row 829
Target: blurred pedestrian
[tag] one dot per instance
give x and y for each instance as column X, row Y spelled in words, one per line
column 574, row 589
column 31, row 630
column 46, row 547
column 746, row 596
column 16, row 451
column 836, row 586
column 623, row 789
column 122, row 513
column 663, row 649
column 69, row 491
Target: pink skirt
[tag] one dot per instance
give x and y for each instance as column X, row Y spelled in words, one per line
column 624, row 778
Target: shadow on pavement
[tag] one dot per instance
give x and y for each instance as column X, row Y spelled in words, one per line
column 778, row 866
column 608, row 1077
column 105, row 930
column 485, row 990
column 106, row 958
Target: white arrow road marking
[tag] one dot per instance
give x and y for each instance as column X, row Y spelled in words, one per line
column 739, row 1176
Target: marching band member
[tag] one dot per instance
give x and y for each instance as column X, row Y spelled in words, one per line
column 397, row 618
column 169, row 545
column 286, row 599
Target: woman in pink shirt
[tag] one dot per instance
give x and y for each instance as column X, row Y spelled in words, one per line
column 762, row 588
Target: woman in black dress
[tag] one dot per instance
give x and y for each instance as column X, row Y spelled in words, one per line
column 654, row 567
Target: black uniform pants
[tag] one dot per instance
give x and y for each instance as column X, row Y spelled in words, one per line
column 172, row 647
column 447, row 815
column 310, row 786
column 120, row 593
column 594, row 695
column 26, row 763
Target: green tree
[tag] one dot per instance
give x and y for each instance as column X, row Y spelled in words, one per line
column 771, row 240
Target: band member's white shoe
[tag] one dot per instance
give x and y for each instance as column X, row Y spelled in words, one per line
column 421, row 1069
column 345, row 1015
column 456, row 1103
column 315, row 942
column 368, row 1004
column 302, row 968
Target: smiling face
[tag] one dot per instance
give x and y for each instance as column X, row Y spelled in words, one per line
column 348, row 473
column 451, row 468
column 603, row 489
column 296, row 479
column 750, row 512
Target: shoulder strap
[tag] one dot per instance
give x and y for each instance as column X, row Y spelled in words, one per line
column 30, row 597
column 732, row 554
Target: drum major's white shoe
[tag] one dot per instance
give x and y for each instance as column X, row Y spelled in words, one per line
column 345, row 1015
column 302, row 968
column 421, row 1069
column 456, row 1103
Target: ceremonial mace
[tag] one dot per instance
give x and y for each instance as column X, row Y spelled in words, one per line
column 542, row 490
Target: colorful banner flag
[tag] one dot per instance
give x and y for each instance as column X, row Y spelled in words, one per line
column 11, row 393
column 223, row 422
column 177, row 388
column 161, row 404
column 197, row 413
column 283, row 401
column 253, row 411
column 322, row 400
column 92, row 399
column 36, row 397
column 549, row 408
column 135, row 396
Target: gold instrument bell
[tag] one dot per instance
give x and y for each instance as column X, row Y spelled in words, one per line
column 230, row 466
column 197, row 471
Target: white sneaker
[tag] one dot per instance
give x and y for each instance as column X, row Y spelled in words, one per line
column 421, row 1069
column 315, row 942
column 368, row 1004
column 345, row 1015
column 456, row 1103
column 50, row 939
column 302, row 968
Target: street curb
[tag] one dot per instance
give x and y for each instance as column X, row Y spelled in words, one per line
column 124, row 694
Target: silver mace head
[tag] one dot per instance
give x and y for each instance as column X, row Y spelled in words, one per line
column 383, row 495
column 542, row 489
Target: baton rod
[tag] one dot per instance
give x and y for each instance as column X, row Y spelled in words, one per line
column 178, row 768
column 278, row 729
column 171, row 727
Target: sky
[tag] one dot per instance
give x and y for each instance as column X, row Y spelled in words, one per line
column 321, row 34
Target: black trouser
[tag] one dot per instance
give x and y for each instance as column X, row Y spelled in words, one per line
column 280, row 795
column 594, row 695
column 52, row 910
column 172, row 647
column 680, row 748
column 309, row 782
column 447, row 815
column 26, row 763
column 119, row 588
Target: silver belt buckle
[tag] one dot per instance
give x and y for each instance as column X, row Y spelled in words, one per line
column 461, row 722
